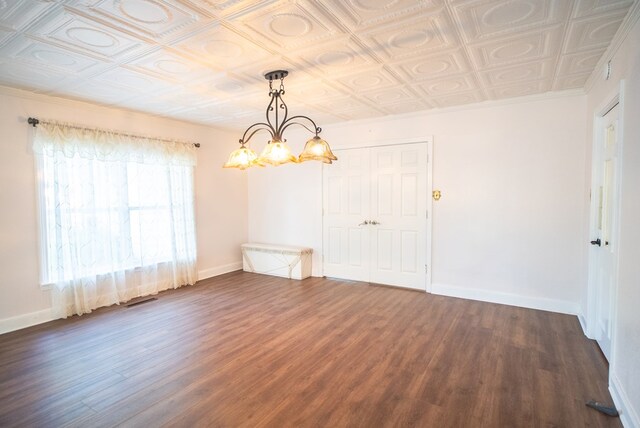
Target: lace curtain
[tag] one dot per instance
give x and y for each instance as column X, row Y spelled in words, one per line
column 116, row 215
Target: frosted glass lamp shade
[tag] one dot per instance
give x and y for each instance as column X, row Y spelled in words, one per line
column 276, row 153
column 242, row 158
column 317, row 149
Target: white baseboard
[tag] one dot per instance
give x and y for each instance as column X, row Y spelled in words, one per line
column 583, row 324
column 628, row 415
column 551, row 305
column 26, row 320
column 219, row 270
column 39, row 317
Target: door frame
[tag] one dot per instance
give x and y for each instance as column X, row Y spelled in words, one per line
column 429, row 218
column 617, row 97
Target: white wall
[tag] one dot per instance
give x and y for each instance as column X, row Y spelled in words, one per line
column 624, row 370
column 511, row 221
column 221, row 195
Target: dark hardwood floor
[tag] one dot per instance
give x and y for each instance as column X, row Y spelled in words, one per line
column 250, row 350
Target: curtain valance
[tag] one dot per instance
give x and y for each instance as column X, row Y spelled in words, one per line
column 106, row 145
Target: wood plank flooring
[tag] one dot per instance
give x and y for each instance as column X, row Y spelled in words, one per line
column 244, row 349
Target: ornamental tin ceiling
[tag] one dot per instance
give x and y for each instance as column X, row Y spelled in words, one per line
column 203, row 60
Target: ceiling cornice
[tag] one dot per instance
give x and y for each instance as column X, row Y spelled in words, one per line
column 627, row 24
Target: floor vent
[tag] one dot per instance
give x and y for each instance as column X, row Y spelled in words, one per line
column 140, row 301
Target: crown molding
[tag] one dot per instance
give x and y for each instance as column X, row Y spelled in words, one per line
column 627, row 24
column 465, row 107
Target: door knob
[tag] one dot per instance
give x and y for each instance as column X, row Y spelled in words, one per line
column 364, row 223
column 374, row 222
column 596, row 242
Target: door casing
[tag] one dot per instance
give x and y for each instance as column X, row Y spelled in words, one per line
column 592, row 317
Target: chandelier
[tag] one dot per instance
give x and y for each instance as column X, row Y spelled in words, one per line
column 276, row 151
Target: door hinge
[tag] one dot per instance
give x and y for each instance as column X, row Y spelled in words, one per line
column 426, row 269
column 426, row 214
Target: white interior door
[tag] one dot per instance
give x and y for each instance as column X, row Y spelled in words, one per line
column 346, row 239
column 375, row 215
column 604, row 242
column 398, row 215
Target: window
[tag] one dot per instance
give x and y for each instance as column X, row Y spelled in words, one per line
column 116, row 214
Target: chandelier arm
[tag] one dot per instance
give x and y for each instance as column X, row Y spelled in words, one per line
column 293, row 121
column 261, row 127
column 283, row 105
column 273, row 94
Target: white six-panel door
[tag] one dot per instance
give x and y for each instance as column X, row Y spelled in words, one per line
column 398, row 211
column 375, row 215
column 346, row 241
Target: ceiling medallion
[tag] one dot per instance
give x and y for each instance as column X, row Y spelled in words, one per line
column 276, row 152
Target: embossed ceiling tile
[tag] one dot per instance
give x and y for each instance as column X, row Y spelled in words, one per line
column 521, row 48
column 447, row 85
column 30, row 78
column 520, row 73
column 407, row 107
column 15, row 15
column 167, row 65
column 228, row 110
column 374, row 79
column 204, row 60
column 5, row 36
column 593, row 33
column 409, row 38
column 313, row 91
column 96, row 92
column 591, row 7
column 156, row 19
column 574, row 81
column 206, row 114
column 48, row 57
column 222, row 47
column 135, row 82
column 288, row 25
column 344, row 105
column 322, row 119
column 458, row 99
column 149, row 104
column 384, row 97
column 230, row 8
column 484, row 19
column 428, row 67
column 342, row 55
column 361, row 113
column 86, row 37
column 200, row 116
column 582, row 62
column 519, row 90
column 183, row 97
column 222, row 86
column 358, row 14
